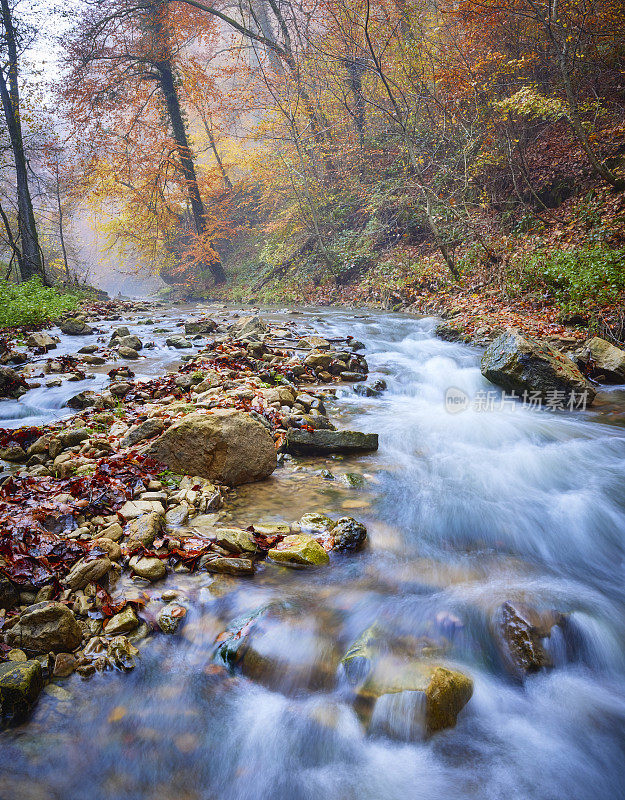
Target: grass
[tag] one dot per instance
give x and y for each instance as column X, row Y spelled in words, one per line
column 32, row 303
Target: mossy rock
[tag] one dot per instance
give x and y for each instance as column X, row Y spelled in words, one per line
column 21, row 684
column 299, row 550
column 444, row 692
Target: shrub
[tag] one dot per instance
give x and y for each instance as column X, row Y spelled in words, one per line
column 577, row 279
column 32, row 303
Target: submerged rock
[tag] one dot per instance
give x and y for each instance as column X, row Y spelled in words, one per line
column 46, row 627
column 227, row 446
column 407, row 700
column 603, row 361
column 299, row 550
column 518, row 363
column 21, row 684
column 319, row 442
column 518, row 632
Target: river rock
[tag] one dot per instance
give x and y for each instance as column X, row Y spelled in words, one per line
column 13, row 453
column 518, row 363
column 75, row 327
column 64, row 665
column 320, row 442
column 111, row 548
column 119, row 333
column 178, row 342
column 124, row 622
column 170, row 617
column 81, row 400
column 131, row 341
column 248, row 327
column 230, row 566
column 318, row 359
column 21, row 684
column 9, row 596
column 407, row 700
column 11, row 383
column 312, row 521
column 349, row 534
column 73, row 437
column 227, row 446
column 315, row 343
column 85, row 572
column 144, row 529
column 128, row 352
column 235, row 540
column 177, row 516
column 42, row 341
column 290, row 656
column 373, row 389
column 150, row 568
column 518, row 631
column 603, row 361
column 145, row 430
column 299, row 550
column 201, row 326
column 46, row 627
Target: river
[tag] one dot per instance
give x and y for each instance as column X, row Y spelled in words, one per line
column 464, row 511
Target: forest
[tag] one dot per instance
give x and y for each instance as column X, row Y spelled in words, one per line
column 394, row 153
column 312, row 399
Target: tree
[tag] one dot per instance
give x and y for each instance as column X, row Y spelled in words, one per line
column 124, row 67
column 29, row 259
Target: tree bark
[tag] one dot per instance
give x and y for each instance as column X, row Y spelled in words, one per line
column 31, row 263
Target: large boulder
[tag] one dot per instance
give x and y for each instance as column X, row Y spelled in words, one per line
column 227, row 446
column 518, row 363
column 46, row 627
column 21, row 683
column 602, row 360
column 320, row 442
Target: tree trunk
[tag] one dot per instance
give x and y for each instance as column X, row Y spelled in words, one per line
column 168, row 88
column 31, row 264
column 576, row 124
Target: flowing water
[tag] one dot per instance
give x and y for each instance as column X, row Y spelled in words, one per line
column 465, row 511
